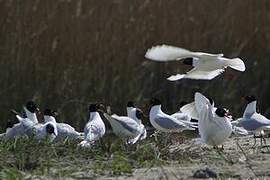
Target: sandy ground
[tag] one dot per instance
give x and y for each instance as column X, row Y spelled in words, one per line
column 238, row 160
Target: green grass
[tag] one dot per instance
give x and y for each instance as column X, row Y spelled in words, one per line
column 27, row 157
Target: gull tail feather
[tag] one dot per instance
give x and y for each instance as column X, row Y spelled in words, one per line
column 236, row 64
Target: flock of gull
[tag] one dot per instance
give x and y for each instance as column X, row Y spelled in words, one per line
column 214, row 123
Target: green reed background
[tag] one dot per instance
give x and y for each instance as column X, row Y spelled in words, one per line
column 66, row 53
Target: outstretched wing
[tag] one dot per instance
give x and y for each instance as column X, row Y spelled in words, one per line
column 197, row 74
column 170, row 53
column 167, row 53
column 200, row 101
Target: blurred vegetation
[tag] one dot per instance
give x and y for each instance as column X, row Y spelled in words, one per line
column 66, row 53
column 25, row 157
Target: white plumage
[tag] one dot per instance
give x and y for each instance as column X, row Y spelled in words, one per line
column 206, row 66
column 252, row 120
column 136, row 114
column 166, row 123
column 94, row 129
column 213, row 129
column 125, row 127
column 65, row 131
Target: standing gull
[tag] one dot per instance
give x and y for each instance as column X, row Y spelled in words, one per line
column 253, row 121
column 136, row 114
column 214, row 128
column 95, row 127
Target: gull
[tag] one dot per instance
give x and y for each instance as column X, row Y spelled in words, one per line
column 193, row 110
column 22, row 126
column 95, row 127
column 136, row 114
column 214, row 128
column 206, row 66
column 164, row 122
column 65, row 131
column 48, row 130
column 125, row 127
column 252, row 120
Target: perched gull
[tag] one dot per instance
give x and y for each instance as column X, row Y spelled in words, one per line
column 214, row 128
column 164, row 122
column 251, row 120
column 23, row 125
column 65, row 131
column 126, row 127
column 39, row 131
column 205, row 66
column 22, row 128
column 136, row 114
column 95, row 127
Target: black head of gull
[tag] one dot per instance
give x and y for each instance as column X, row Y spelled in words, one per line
column 221, row 112
column 50, row 129
column 155, row 101
column 131, row 104
column 93, row 107
column 188, row 61
column 31, row 106
column 250, row 99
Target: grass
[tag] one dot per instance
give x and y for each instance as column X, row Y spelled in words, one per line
column 27, row 156
column 110, row 157
column 66, row 53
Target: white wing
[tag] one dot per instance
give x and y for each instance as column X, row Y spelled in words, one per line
column 203, row 75
column 206, row 55
column 204, row 120
column 167, row 53
column 200, row 101
column 190, row 109
column 182, row 116
column 197, row 74
column 127, row 122
column 250, row 109
column 66, row 131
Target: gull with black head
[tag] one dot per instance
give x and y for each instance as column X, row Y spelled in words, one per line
column 214, row 125
column 252, row 120
column 206, row 66
column 129, row 128
column 95, row 127
column 136, row 114
column 65, row 131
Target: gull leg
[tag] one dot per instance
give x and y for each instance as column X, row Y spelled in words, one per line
column 264, row 140
column 254, row 136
